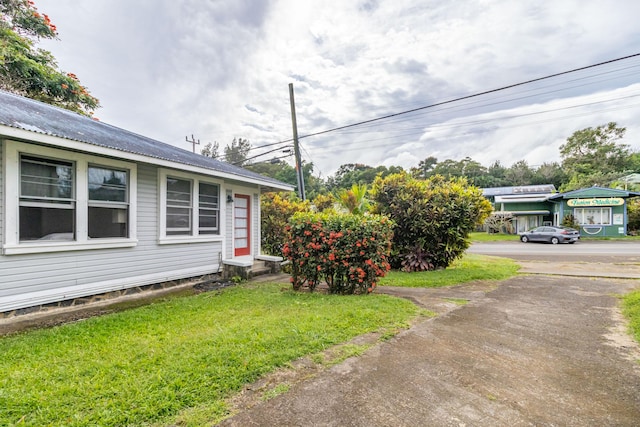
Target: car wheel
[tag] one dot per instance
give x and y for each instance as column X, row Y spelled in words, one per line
column 554, row 240
column 524, row 239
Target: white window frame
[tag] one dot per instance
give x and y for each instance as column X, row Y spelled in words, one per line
column 207, row 209
column 13, row 246
column 194, row 236
column 125, row 205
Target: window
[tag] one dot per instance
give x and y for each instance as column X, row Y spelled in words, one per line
column 108, row 202
column 593, row 216
column 179, row 206
column 47, row 205
column 208, row 195
column 189, row 208
column 61, row 200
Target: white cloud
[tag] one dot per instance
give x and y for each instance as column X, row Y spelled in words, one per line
column 221, row 69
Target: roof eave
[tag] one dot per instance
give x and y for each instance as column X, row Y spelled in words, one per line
column 10, row 132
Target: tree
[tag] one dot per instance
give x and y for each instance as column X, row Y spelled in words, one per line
column 433, row 218
column 549, row 173
column 237, row 152
column 519, row 174
column 211, row 150
column 496, row 175
column 357, row 173
column 425, row 167
column 282, row 171
column 475, row 173
column 33, row 72
column 590, row 150
column 633, row 212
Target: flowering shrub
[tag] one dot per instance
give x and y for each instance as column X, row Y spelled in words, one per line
column 275, row 214
column 347, row 252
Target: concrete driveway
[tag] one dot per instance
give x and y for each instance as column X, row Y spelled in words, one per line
column 534, row 350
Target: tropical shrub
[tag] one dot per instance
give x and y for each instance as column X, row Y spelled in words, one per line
column 347, row 252
column 275, row 214
column 570, row 221
column 433, row 218
column 354, row 200
column 323, row 202
column 633, row 214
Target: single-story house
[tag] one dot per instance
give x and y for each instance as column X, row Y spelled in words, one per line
column 598, row 211
column 87, row 208
column 525, row 204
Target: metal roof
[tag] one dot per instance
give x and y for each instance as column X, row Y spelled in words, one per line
column 594, row 192
column 522, row 199
column 34, row 116
column 522, row 189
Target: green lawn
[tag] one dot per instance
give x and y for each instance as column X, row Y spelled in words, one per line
column 469, row 267
column 482, row 236
column 175, row 362
column 631, row 309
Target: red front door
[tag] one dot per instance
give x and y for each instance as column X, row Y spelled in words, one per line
column 241, row 225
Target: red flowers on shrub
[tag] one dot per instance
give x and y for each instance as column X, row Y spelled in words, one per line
column 321, row 246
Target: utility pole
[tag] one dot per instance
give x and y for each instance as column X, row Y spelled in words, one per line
column 296, row 145
column 193, row 141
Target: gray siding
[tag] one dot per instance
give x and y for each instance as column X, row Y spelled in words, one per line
column 49, row 277
column 255, row 225
column 1, row 194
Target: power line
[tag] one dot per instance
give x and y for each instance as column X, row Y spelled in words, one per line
column 472, row 96
column 421, row 129
column 482, row 104
column 257, row 155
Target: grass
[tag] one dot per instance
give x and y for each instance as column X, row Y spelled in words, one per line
column 466, row 269
column 483, row 236
column 631, row 309
column 176, row 361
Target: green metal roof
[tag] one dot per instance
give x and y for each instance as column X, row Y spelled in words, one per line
column 584, row 193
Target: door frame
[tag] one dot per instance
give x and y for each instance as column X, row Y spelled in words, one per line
column 242, row 251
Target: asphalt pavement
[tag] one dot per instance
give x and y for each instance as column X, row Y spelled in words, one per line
column 534, row 350
column 548, row 348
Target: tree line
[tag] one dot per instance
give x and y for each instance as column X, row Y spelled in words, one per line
column 590, row 156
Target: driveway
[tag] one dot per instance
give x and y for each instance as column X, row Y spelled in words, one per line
column 534, row 350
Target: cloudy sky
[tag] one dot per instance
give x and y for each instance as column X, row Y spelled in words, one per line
column 219, row 69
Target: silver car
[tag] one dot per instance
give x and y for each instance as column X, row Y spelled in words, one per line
column 551, row 234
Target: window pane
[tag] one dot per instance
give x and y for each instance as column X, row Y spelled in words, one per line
column 178, row 213
column 593, row 216
column 107, row 222
column 208, row 221
column 107, row 184
column 43, row 223
column 208, row 213
column 178, row 220
column 208, row 196
column 241, row 202
column 45, row 179
column 178, row 192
